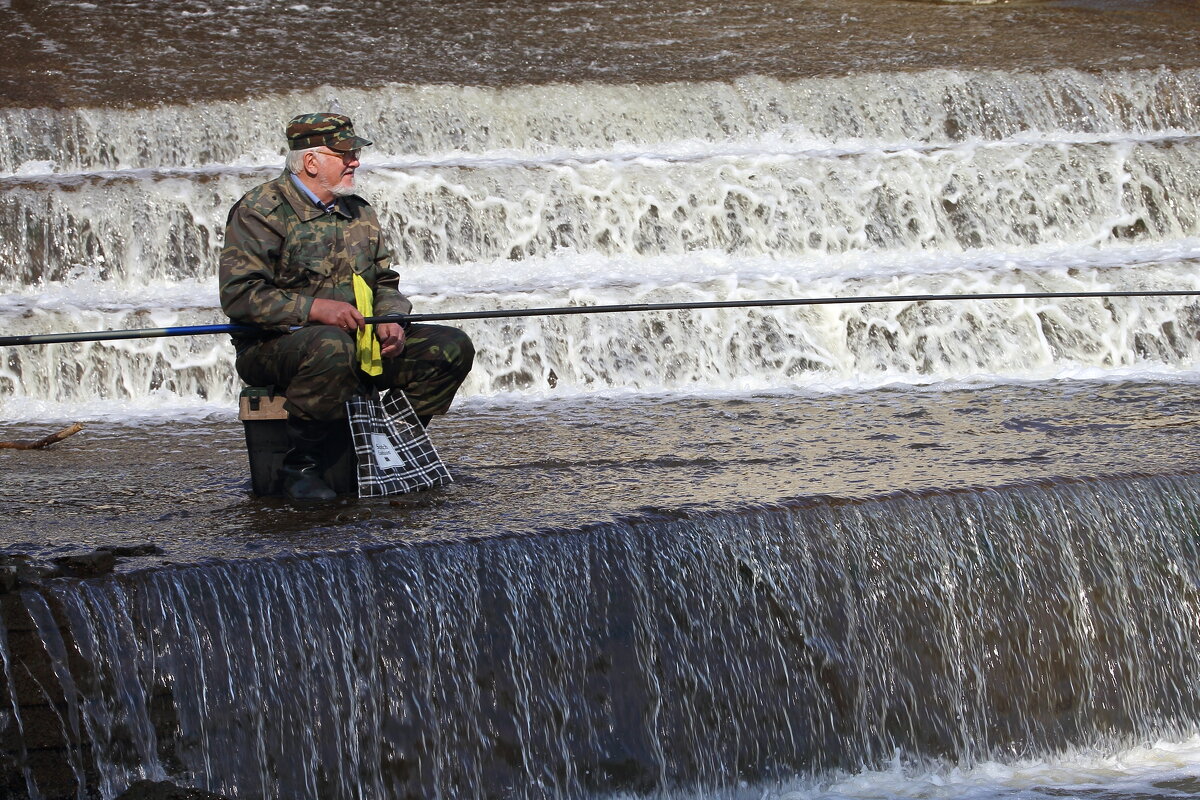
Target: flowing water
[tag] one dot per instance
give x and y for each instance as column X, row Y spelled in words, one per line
column 869, row 550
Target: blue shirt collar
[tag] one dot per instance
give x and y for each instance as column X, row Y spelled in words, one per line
column 329, row 207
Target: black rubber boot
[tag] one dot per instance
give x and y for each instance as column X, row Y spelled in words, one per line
column 301, row 468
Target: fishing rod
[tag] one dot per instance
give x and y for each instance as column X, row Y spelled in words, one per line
column 448, row 316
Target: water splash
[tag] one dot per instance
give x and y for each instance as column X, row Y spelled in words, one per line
column 814, row 348
column 758, row 188
column 1013, row 197
column 933, row 106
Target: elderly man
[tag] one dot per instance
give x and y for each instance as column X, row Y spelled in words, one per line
column 296, row 249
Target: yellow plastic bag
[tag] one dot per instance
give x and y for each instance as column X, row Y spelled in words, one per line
column 370, row 360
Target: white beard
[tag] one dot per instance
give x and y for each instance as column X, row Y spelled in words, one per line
column 339, row 190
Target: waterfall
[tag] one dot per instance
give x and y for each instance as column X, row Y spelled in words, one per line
column 936, row 181
column 682, row 651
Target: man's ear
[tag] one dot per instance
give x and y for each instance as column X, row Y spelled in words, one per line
column 310, row 164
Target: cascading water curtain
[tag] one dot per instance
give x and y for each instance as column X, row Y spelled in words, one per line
column 931, row 182
column 673, row 652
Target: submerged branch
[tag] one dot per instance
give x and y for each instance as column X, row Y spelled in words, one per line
column 46, row 441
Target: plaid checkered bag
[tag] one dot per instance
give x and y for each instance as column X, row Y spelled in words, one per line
column 394, row 453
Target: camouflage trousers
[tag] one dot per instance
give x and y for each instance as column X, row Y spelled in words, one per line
column 316, row 368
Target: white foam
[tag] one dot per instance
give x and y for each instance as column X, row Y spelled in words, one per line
column 935, row 107
column 533, row 197
column 1141, row 771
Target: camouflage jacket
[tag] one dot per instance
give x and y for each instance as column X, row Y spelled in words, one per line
column 281, row 251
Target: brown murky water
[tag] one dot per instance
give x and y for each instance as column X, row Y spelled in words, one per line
column 62, row 53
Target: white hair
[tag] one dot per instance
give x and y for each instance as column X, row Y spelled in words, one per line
column 295, row 159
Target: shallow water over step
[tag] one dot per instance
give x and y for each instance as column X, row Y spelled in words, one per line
column 528, row 466
column 89, row 54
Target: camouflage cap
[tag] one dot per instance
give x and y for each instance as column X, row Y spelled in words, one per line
column 334, row 131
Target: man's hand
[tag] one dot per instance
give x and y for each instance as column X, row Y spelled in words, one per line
column 335, row 313
column 391, row 339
